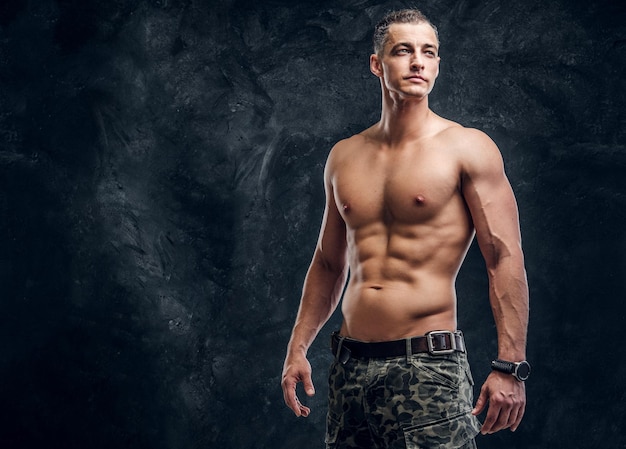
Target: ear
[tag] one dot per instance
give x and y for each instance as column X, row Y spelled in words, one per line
column 375, row 66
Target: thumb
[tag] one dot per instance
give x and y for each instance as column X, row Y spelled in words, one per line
column 307, row 383
column 480, row 402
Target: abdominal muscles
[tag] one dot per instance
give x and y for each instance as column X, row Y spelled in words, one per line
column 401, row 286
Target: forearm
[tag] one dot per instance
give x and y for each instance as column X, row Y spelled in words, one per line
column 508, row 294
column 321, row 294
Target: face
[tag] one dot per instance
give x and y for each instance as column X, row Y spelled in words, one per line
column 409, row 63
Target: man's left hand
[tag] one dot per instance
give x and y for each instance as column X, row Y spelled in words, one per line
column 507, row 401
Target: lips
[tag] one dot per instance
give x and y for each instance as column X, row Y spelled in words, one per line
column 416, row 77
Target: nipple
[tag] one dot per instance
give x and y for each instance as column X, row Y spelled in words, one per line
column 346, row 207
column 420, row 200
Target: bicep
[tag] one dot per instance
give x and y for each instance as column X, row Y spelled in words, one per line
column 331, row 245
column 492, row 205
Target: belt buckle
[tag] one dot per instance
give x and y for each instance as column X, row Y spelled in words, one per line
column 431, row 343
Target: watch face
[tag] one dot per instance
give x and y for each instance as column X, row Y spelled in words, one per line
column 523, row 371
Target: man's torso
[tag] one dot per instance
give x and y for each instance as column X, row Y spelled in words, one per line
column 407, row 228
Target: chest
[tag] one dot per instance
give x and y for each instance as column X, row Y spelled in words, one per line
column 410, row 187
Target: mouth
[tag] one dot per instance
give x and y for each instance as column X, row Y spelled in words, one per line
column 415, row 78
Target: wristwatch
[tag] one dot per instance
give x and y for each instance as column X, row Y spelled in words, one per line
column 519, row 370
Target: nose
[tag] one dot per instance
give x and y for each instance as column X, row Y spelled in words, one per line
column 416, row 62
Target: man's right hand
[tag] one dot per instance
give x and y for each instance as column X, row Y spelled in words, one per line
column 297, row 369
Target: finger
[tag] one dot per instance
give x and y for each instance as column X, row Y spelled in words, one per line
column 503, row 421
column 493, row 415
column 304, row 410
column 480, row 403
column 518, row 418
column 307, row 382
column 487, row 424
column 289, row 395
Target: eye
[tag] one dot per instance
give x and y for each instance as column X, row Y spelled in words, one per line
column 402, row 51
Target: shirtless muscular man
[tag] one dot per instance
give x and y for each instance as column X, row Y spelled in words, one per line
column 404, row 199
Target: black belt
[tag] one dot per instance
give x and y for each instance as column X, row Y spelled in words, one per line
column 434, row 343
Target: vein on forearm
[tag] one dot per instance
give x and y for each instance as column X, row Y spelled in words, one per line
column 321, row 294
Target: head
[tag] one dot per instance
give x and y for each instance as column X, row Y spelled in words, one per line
column 381, row 30
column 406, row 58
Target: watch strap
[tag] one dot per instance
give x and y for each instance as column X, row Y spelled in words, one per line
column 519, row 370
column 503, row 366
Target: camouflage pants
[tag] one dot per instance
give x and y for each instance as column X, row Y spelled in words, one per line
column 414, row 402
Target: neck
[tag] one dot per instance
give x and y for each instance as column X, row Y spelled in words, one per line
column 403, row 119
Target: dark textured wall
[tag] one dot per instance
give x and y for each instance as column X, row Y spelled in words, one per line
column 160, row 196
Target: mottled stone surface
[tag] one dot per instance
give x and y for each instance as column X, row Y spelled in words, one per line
column 160, row 196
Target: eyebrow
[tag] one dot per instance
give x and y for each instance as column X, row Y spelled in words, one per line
column 432, row 47
column 407, row 44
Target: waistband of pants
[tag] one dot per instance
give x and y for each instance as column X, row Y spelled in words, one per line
column 434, row 343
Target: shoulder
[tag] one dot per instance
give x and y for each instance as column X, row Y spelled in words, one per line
column 475, row 150
column 341, row 153
column 462, row 137
column 356, row 141
column 348, row 147
column 348, row 144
